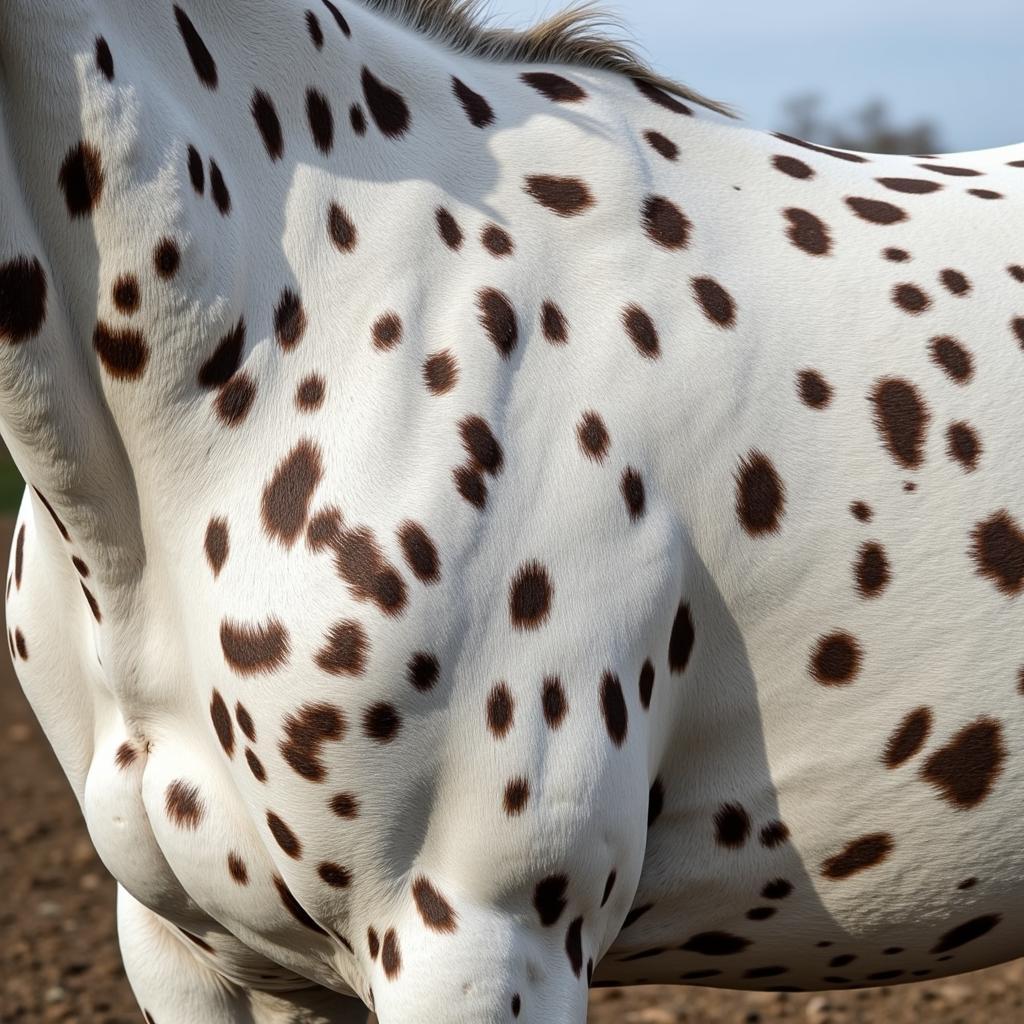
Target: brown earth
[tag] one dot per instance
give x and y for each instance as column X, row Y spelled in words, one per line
column 59, row 959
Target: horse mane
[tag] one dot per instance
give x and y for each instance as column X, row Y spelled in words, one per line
column 584, row 35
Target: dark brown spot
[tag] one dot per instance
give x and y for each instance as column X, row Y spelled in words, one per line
column 655, row 801
column 998, row 549
column 875, row 211
column 681, row 640
column 910, row 186
column 715, row 944
column 184, row 806
column 437, row 913
column 955, row 282
column 497, row 241
column 633, row 493
column 336, row 876
column 517, row 794
column 245, row 722
column 871, row 570
column 126, row 756
column 517, row 1004
column 93, row 607
column 219, row 189
column 381, row 722
column 861, row 511
column 124, row 353
column 498, row 319
column 357, row 119
column 894, row 255
column 641, row 331
column 965, row 769
column 660, row 144
column 391, row 958
column 554, row 87
column 362, row 564
column 289, row 320
column 22, row 299
column 807, row 232
column 202, row 59
column 661, row 98
column 19, row 556
column 854, row 158
column 321, row 120
column 19, row 644
column 908, row 738
column 553, row 702
column 966, row 932
column 284, row 836
column 80, row 567
column 166, row 258
column 53, row 515
column 646, row 684
column 237, row 869
column 306, row 731
column 235, row 399
column 387, row 331
column 859, row 855
column 815, row 391
column 345, row 649
column 910, row 299
column 125, row 294
column 295, row 908
column 960, row 172
column 221, row 718
column 613, row 707
column 345, row 805
column 423, row 671
column 530, row 594
column 793, row 167
column 774, row 834
column 963, row 445
column 309, row 395
column 104, row 59
column 554, row 324
column 339, row 18
column 420, row 552
column 836, row 659
column 268, row 123
column 216, row 544
column 255, row 765
column 968, row 883
column 286, row 498
column 448, row 228
column 593, row 436
column 984, row 193
column 254, row 648
column 567, row 197
column 902, row 419
column 609, row 885
column 196, row 173
column 778, row 889
column 440, row 372
column 226, row 358
column 1017, row 326
column 760, row 495
column 715, row 301
column 948, row 354
column 732, row 826
column 665, row 223
column 316, row 33
column 471, row 485
column 574, row 945
column 1016, row 271
column 500, row 710
column 478, row 110
column 341, row 229
column 387, row 107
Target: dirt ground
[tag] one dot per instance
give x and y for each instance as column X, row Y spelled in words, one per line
column 59, row 959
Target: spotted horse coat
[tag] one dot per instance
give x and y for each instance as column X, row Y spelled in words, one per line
column 495, row 528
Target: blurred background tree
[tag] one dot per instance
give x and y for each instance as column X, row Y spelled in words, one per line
column 868, row 128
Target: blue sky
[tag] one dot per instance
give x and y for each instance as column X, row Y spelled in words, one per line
column 959, row 63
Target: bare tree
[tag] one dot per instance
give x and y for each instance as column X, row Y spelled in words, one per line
column 868, row 128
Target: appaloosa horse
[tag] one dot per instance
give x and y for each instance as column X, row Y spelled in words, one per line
column 495, row 524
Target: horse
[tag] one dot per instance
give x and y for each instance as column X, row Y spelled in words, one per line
column 498, row 525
